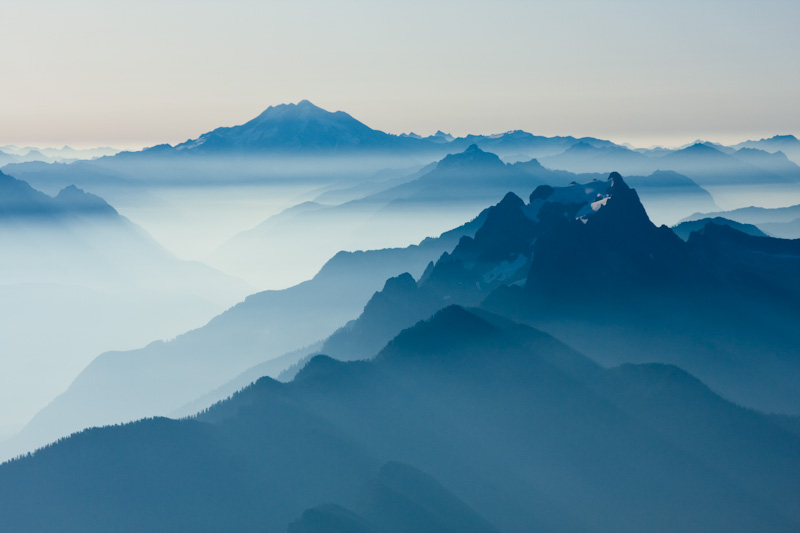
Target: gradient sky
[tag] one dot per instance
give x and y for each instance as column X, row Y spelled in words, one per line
column 130, row 74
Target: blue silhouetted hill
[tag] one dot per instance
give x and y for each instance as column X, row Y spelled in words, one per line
column 709, row 166
column 301, row 127
column 585, row 263
column 89, row 241
column 18, row 200
column 438, row 196
column 585, row 157
column 783, row 222
column 788, row 144
column 506, row 422
column 262, row 335
column 504, row 237
column 400, row 498
column 764, row 265
column 684, row 229
column 78, row 279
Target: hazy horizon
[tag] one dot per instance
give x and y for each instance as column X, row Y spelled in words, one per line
column 645, row 73
column 670, row 142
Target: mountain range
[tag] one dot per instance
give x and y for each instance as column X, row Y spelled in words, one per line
column 787, row 144
column 564, row 360
column 429, row 201
column 304, row 133
column 733, row 177
column 120, row 386
column 554, row 261
column 685, row 229
column 465, row 422
column 17, row 154
column 783, row 222
column 540, row 262
column 196, row 197
column 74, row 276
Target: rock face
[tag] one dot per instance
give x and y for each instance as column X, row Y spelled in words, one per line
column 585, row 263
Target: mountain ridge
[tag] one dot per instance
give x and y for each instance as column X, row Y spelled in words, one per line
column 337, row 423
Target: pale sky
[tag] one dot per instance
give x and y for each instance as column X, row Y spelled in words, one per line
column 135, row 73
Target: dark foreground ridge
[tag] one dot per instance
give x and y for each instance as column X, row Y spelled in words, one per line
column 498, row 426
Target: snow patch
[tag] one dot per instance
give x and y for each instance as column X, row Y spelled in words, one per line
column 599, row 203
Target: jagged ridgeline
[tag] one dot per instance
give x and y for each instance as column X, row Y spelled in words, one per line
column 566, row 366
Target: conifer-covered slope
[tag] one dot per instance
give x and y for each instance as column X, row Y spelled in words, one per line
column 511, row 428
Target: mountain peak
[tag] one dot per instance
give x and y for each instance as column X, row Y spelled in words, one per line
column 700, row 147
column 300, row 110
column 790, row 137
column 449, row 328
column 472, row 158
column 581, row 146
column 300, row 127
column 511, row 200
column 76, row 199
column 617, row 183
column 473, row 148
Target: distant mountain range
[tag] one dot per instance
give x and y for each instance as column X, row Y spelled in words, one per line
column 297, row 132
column 299, row 128
column 545, row 262
column 561, row 361
column 783, row 222
column 19, row 202
column 538, row 262
column 408, row 208
column 685, row 229
column 16, row 154
column 77, row 278
column 788, row 144
column 121, row 386
column 710, row 166
column 84, row 235
column 533, row 368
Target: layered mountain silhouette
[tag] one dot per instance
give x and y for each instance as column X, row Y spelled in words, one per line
column 66, row 154
column 552, row 262
column 709, row 166
column 787, row 144
column 214, row 361
column 781, row 222
column 584, row 157
column 444, row 386
column 19, row 202
column 561, row 362
column 520, row 145
column 585, row 263
column 684, row 229
column 399, row 498
column 82, row 233
column 303, row 133
column 76, row 277
column 732, row 175
column 463, row 422
column 431, row 200
column 299, row 140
